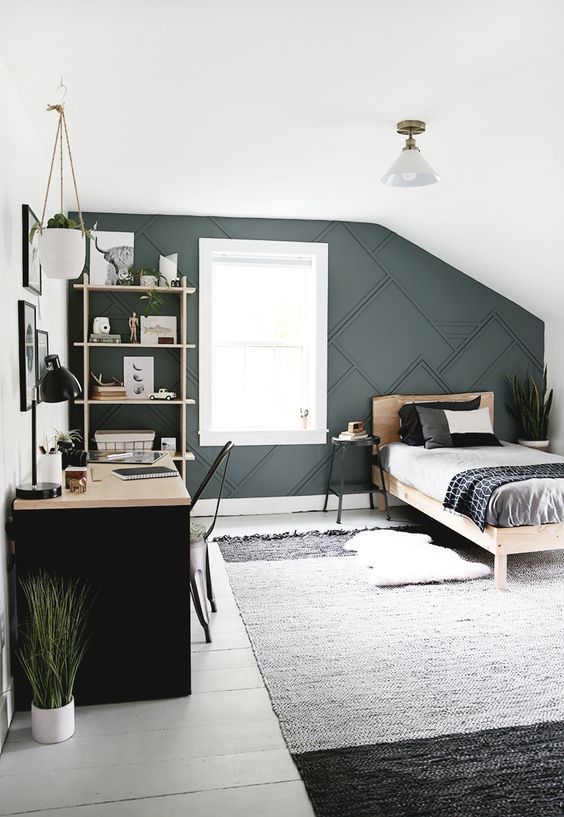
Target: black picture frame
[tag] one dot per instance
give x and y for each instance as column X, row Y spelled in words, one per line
column 32, row 273
column 27, row 353
column 42, row 347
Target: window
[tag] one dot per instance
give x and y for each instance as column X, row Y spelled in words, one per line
column 263, row 342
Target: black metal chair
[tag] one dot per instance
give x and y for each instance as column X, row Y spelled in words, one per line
column 201, row 585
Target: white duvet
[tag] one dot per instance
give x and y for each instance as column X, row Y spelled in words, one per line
column 532, row 502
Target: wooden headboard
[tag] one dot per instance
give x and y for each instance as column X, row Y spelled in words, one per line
column 385, row 418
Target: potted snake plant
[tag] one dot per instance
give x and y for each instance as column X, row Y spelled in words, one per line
column 530, row 407
column 52, row 643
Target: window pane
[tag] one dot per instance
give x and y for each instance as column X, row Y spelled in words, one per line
column 253, row 303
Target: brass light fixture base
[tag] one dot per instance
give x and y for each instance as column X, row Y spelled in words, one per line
column 411, row 127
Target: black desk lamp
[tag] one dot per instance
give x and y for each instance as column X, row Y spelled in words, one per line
column 57, row 385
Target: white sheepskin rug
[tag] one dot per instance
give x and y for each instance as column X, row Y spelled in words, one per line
column 410, row 558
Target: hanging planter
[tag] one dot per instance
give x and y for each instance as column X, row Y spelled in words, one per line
column 62, row 241
column 62, row 252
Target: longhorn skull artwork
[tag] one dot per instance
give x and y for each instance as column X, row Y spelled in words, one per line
column 119, row 259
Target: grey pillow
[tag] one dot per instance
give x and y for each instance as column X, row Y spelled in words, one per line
column 434, row 424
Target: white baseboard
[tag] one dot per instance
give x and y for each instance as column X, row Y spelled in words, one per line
column 253, row 506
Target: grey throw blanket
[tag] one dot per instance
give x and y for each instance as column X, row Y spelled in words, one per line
column 469, row 492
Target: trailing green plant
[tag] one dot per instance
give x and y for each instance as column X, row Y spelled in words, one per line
column 530, row 406
column 61, row 222
column 152, row 296
column 54, row 639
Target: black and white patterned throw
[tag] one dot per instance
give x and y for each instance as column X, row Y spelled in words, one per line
column 469, row 492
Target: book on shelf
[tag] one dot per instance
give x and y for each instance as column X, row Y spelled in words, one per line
column 107, row 392
column 97, row 338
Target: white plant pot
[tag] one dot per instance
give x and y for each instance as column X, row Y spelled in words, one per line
column 62, row 253
column 147, row 281
column 52, row 725
column 541, row 445
column 51, row 468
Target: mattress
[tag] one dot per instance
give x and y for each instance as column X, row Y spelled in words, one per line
column 532, row 502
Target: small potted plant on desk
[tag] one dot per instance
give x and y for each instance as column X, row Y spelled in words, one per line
column 52, row 643
column 530, row 408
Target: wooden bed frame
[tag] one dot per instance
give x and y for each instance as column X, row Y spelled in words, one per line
column 499, row 541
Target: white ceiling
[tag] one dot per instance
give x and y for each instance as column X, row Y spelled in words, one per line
column 287, row 108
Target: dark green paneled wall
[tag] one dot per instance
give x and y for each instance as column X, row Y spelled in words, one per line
column 400, row 320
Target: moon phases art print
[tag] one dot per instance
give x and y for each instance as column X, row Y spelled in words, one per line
column 138, row 377
column 28, row 353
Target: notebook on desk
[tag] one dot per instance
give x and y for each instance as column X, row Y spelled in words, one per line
column 144, row 473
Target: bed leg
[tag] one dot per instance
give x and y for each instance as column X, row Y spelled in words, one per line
column 500, row 571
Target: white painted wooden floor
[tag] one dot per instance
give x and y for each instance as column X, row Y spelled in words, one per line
column 218, row 752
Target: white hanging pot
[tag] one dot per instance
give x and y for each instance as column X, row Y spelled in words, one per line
column 52, row 725
column 62, row 253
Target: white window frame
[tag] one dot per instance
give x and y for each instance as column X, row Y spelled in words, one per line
column 306, row 436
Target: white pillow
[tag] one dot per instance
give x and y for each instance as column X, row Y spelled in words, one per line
column 469, row 422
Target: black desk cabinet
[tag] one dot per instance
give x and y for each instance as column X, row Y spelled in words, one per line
column 136, row 561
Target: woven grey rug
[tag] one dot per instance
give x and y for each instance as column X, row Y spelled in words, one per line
column 440, row 700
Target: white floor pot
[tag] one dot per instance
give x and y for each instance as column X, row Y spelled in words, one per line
column 52, row 725
column 62, row 253
column 541, row 445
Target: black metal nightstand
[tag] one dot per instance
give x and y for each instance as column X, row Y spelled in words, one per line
column 369, row 488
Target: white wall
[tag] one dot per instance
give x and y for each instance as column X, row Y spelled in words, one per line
column 554, row 357
column 23, row 169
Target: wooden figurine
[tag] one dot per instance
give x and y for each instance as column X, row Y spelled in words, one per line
column 133, row 324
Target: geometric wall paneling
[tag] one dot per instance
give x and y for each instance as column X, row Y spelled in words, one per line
column 356, row 274
column 277, row 229
column 371, row 236
column 418, row 378
column 400, row 320
column 475, row 356
column 337, row 365
column 456, row 332
column 390, row 319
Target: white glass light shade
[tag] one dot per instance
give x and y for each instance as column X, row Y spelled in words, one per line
column 410, row 170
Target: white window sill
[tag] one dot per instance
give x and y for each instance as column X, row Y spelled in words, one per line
column 294, row 436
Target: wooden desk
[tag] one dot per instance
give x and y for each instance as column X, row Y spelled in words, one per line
column 130, row 541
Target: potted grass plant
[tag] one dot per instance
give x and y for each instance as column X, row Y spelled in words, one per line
column 530, row 407
column 52, row 643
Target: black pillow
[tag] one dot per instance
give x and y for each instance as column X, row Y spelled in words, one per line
column 410, row 424
column 441, row 432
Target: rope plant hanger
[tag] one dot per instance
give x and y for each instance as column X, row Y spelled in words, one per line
column 62, row 244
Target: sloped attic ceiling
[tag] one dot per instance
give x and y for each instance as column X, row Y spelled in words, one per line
column 288, row 108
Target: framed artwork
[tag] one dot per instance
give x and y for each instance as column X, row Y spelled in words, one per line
column 138, row 377
column 157, row 330
column 111, row 256
column 27, row 353
column 168, row 444
column 42, row 345
column 30, row 253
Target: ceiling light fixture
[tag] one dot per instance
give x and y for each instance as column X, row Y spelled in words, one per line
column 410, row 168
